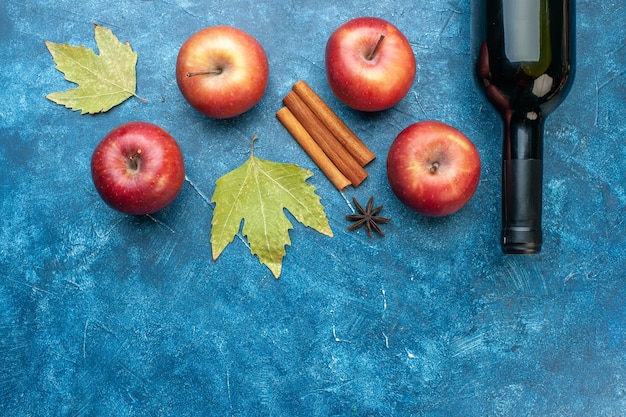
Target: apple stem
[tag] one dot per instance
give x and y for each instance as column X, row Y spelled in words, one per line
column 210, row 72
column 434, row 167
column 373, row 53
column 133, row 161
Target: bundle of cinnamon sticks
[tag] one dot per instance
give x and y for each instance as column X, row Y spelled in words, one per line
column 330, row 143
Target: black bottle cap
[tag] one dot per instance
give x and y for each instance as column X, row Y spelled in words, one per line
column 521, row 240
column 521, row 206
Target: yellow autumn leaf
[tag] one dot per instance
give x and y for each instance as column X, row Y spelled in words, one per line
column 257, row 193
column 104, row 80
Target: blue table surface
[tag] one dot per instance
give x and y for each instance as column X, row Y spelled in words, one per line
column 114, row 315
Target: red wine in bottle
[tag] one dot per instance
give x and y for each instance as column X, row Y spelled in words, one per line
column 523, row 51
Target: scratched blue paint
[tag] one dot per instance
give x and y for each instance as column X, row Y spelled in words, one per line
column 104, row 314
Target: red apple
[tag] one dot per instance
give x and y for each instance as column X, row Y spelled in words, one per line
column 222, row 71
column 370, row 64
column 433, row 168
column 138, row 168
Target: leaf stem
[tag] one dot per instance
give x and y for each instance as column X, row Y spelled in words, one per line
column 254, row 137
column 140, row 98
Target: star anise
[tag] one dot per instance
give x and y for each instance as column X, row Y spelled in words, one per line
column 368, row 217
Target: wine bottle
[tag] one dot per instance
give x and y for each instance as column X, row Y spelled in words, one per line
column 524, row 52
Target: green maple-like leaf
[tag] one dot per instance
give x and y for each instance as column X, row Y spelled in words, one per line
column 258, row 192
column 104, row 80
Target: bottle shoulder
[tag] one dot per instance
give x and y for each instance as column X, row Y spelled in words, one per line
column 524, row 86
column 526, row 52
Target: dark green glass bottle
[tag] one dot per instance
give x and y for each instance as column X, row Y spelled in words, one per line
column 523, row 52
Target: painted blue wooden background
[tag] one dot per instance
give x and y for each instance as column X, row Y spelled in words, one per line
column 103, row 314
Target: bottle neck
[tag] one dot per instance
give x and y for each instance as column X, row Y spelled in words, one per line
column 523, row 136
column 522, row 183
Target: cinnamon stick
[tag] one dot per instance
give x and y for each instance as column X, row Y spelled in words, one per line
column 335, row 151
column 312, row 149
column 339, row 129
